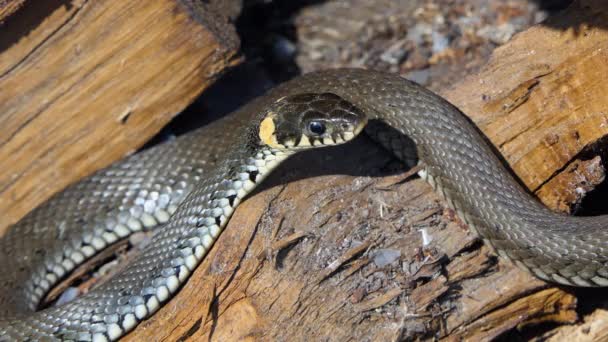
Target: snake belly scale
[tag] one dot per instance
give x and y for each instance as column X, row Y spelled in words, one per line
column 189, row 187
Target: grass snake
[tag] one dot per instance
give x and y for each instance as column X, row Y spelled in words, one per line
column 190, row 186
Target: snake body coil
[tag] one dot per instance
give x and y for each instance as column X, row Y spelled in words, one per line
column 191, row 185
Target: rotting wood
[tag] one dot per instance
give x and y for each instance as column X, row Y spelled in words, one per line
column 85, row 83
column 573, row 183
column 593, row 328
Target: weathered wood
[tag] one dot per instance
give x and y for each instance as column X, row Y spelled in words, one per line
column 303, row 258
column 84, row 83
column 593, row 328
column 539, row 98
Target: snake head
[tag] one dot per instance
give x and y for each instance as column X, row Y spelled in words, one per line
column 310, row 120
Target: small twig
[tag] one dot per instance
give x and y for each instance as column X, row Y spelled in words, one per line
column 344, row 258
column 356, row 266
column 289, row 240
column 379, row 301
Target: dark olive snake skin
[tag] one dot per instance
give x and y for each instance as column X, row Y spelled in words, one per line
column 191, row 185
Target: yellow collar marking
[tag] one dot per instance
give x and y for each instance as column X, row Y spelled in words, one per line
column 267, row 130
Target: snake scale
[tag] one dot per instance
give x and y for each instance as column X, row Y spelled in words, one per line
column 190, row 186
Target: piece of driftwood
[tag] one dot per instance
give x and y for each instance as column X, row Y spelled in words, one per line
column 329, row 250
column 84, row 83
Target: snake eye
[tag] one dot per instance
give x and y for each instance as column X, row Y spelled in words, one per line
column 316, row 127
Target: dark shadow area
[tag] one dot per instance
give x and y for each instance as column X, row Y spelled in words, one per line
column 527, row 333
column 360, row 158
column 595, row 202
column 577, row 16
column 268, row 35
column 237, row 87
column 588, row 300
column 27, row 19
column 552, row 5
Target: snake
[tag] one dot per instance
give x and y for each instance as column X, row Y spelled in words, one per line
column 187, row 188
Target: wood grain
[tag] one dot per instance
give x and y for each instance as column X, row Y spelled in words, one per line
column 540, row 97
column 85, row 83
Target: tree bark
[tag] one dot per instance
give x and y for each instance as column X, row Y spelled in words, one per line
column 85, row 83
column 327, row 250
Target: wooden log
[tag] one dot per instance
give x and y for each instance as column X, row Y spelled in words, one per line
column 326, row 252
column 85, row 83
column 539, row 98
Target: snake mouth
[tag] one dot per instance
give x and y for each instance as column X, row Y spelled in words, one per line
column 335, row 138
column 346, row 133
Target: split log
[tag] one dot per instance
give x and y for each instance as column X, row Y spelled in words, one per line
column 84, row 83
column 327, row 251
